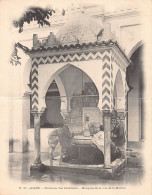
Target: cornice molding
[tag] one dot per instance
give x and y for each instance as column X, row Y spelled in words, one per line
column 61, row 20
column 79, row 49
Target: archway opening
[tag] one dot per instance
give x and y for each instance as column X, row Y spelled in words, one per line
column 135, row 80
column 70, row 92
column 80, row 97
column 76, row 88
column 52, row 117
column 83, row 98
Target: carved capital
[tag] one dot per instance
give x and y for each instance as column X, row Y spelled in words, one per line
column 36, row 114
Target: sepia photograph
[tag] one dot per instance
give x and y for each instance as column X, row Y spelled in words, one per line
column 76, row 106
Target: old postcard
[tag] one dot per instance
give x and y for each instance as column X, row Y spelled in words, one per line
column 76, row 98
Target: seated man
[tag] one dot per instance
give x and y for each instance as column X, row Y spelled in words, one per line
column 98, row 139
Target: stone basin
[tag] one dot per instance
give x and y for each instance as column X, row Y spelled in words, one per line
column 82, row 140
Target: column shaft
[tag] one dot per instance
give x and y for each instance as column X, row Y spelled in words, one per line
column 107, row 141
column 37, row 137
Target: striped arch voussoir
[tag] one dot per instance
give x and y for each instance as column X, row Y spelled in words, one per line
column 35, row 71
column 106, row 74
column 106, row 66
column 106, row 82
column 105, row 99
column 106, row 91
column 35, row 93
column 34, row 108
column 34, row 101
column 35, row 79
column 106, row 57
column 106, row 107
column 34, row 87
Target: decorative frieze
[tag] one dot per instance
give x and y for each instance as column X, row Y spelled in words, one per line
column 69, row 58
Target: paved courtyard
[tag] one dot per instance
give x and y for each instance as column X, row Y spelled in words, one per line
column 19, row 169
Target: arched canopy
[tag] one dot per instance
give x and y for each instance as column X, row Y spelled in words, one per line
column 55, row 76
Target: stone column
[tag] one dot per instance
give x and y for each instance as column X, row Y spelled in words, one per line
column 37, row 165
column 37, row 137
column 107, row 139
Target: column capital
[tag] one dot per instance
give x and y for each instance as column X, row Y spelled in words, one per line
column 36, row 114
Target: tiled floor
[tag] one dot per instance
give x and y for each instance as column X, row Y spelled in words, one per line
column 19, row 169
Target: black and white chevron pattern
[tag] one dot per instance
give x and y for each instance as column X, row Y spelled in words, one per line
column 34, row 76
column 107, row 73
column 106, row 81
column 70, row 58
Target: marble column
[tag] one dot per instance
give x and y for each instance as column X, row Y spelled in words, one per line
column 37, row 137
column 107, row 140
column 37, row 165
